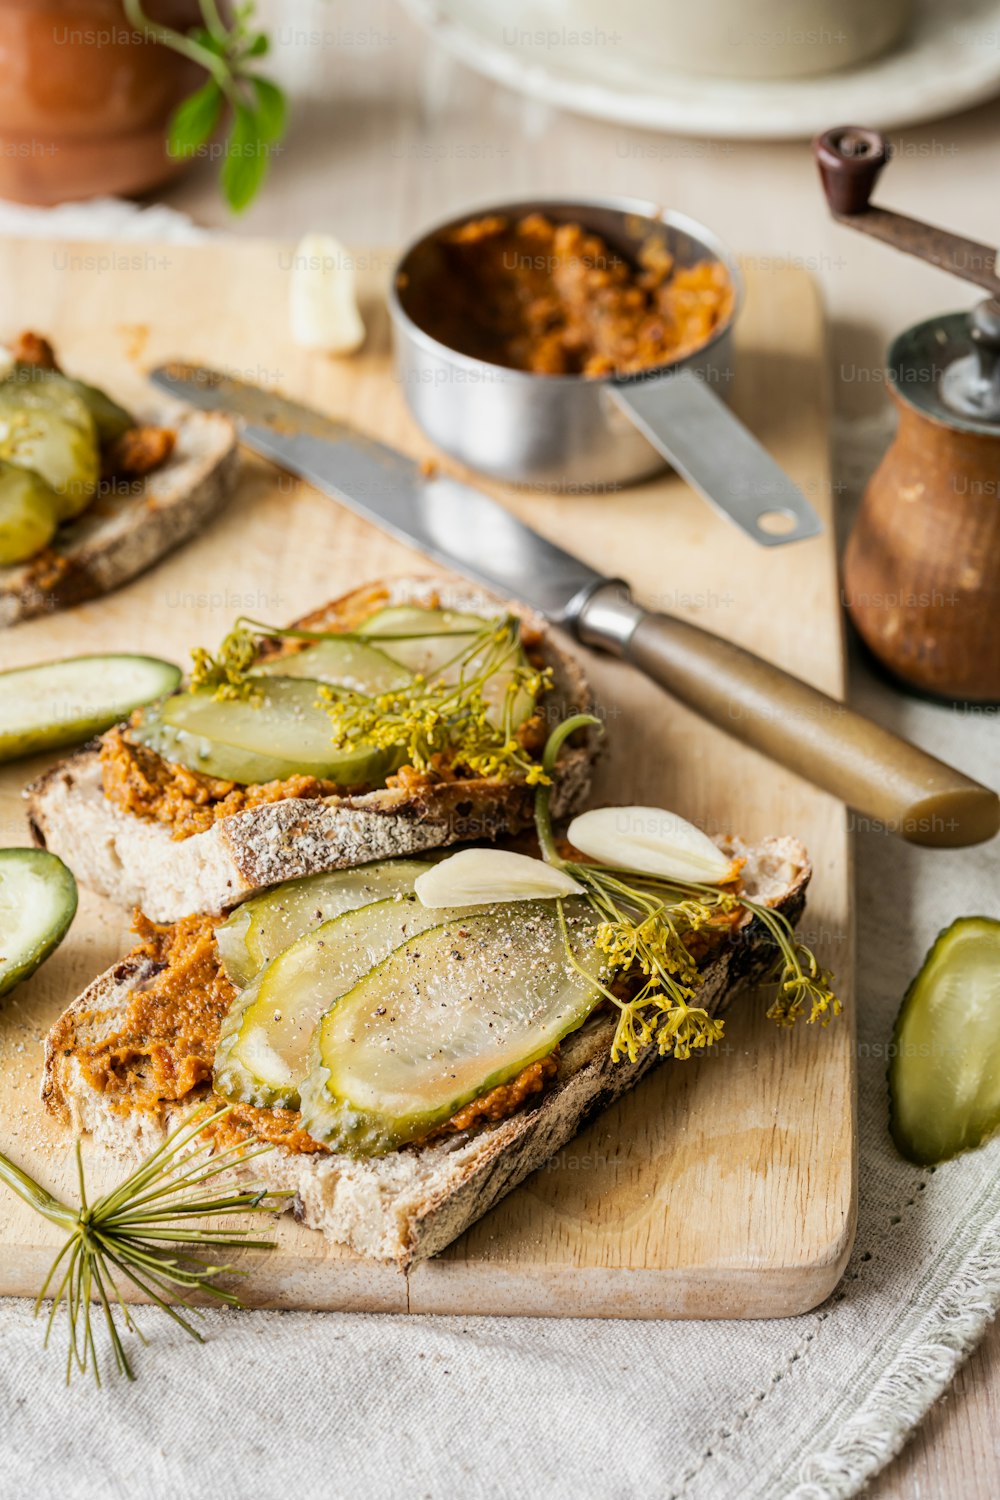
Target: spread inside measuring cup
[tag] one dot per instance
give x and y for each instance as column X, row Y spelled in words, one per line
column 556, row 299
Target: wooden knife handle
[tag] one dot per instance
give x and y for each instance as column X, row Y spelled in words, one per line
column 899, row 787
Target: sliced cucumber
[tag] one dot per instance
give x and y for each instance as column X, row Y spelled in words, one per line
column 346, row 663
column 429, row 648
column 439, row 638
column 286, row 732
column 445, row 1018
column 65, row 702
column 110, row 419
column 46, row 427
column 212, row 759
column 944, row 1078
column 29, row 513
column 265, row 925
column 37, row 904
column 263, row 1053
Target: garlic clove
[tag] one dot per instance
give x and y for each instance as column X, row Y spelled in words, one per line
column 650, row 841
column 323, row 297
column 480, row 877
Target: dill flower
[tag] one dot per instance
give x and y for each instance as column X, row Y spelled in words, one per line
column 652, row 976
column 468, row 714
column 454, row 717
column 227, row 671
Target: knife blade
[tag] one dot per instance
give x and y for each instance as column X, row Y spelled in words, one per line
column 898, row 786
column 453, row 523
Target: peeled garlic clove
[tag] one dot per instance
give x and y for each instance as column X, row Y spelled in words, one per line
column 323, row 297
column 480, row 877
column 650, row 841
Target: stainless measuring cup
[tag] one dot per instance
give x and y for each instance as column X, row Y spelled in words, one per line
column 581, row 433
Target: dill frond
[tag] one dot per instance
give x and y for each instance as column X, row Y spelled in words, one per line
column 796, row 972
column 449, row 719
column 652, row 976
column 149, row 1232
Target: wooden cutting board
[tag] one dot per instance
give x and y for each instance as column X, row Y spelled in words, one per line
column 721, row 1187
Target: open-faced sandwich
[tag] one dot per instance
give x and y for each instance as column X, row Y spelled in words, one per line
column 414, row 1037
column 90, row 495
column 400, row 718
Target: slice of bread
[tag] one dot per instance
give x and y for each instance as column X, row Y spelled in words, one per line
column 136, row 861
column 125, row 533
column 410, row 1204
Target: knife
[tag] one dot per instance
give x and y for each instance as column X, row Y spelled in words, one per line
column 897, row 786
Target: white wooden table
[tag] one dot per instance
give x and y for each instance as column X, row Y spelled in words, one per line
column 390, row 134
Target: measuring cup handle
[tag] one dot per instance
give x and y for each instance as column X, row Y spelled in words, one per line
column 715, row 453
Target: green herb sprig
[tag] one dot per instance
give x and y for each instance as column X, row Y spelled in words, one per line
column 228, row 671
column 146, row 1232
column 448, row 715
column 258, row 111
column 651, row 976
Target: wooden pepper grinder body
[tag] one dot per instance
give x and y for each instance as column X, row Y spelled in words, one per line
column 922, row 567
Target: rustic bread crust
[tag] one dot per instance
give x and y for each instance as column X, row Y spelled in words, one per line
column 409, row 1205
column 136, row 862
column 120, row 537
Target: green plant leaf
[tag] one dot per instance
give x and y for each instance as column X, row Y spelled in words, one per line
column 260, row 46
column 194, row 120
column 272, row 109
column 245, row 164
column 210, row 42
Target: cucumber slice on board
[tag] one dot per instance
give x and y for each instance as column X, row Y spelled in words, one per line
column 263, row 1052
column 441, row 636
column 944, row 1077
column 37, row 904
column 260, row 929
column 341, row 663
column 59, row 703
column 446, row 1017
column 285, row 733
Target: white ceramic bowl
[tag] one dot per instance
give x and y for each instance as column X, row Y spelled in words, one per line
column 749, row 38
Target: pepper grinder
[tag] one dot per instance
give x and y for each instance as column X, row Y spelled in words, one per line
column 922, row 565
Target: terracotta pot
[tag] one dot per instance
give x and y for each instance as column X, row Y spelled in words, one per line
column 922, row 568
column 84, row 100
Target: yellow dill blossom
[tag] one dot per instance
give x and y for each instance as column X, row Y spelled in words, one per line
column 801, row 982
column 457, row 718
column 450, row 717
column 227, row 672
column 651, row 975
column 642, row 940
